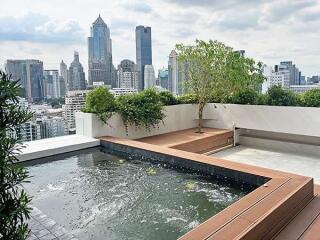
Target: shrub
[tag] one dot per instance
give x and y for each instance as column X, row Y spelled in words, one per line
column 246, row 96
column 187, row 99
column 141, row 109
column 277, row 96
column 311, row 98
column 167, row 98
column 262, row 99
column 101, row 102
column 14, row 209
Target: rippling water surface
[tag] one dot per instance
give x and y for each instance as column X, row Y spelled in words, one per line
column 100, row 196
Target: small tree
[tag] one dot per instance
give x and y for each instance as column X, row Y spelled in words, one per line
column 101, row 102
column 215, row 71
column 14, row 201
column 311, row 98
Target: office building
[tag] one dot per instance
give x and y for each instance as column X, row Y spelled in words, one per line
column 101, row 69
column 76, row 75
column 143, row 51
column 128, row 76
column 30, row 75
column 293, row 71
column 121, row 91
column 64, row 74
column 51, row 84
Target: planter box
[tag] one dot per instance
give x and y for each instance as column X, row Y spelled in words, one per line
column 177, row 118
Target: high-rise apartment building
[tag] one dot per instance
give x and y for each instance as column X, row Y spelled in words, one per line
column 143, row 51
column 30, row 75
column 74, row 101
column 51, row 84
column 128, row 76
column 101, row 69
column 149, row 76
column 76, row 75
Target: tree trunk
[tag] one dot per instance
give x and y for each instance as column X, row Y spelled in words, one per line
column 201, row 107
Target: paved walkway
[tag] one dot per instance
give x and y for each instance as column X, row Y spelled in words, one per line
column 44, row 228
column 283, row 161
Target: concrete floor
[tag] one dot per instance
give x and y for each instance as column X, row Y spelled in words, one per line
column 303, row 165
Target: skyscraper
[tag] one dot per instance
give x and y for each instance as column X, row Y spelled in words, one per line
column 64, row 72
column 101, row 70
column 51, row 84
column 30, row 75
column 76, row 75
column 176, row 74
column 127, row 75
column 143, row 51
column 149, row 77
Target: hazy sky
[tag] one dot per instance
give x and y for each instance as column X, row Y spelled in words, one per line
column 270, row 31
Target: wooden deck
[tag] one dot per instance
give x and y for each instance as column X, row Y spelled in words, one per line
column 287, row 207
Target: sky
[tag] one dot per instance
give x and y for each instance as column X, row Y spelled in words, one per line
column 269, row 31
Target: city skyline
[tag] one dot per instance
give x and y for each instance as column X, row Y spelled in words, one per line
column 42, row 31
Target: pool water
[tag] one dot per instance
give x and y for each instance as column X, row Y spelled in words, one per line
column 99, row 196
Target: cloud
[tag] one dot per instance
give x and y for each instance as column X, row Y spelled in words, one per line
column 34, row 27
column 140, row 7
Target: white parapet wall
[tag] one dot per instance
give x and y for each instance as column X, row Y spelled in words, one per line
column 278, row 119
column 177, row 118
column 304, row 121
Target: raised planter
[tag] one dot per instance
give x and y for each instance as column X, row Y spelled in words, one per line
column 177, row 118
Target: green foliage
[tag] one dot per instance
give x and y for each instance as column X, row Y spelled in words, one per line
column 245, row 96
column 262, row 99
column 216, row 73
column 14, row 210
column 187, row 99
column 311, row 98
column 101, row 102
column 141, row 109
column 277, row 96
column 167, row 98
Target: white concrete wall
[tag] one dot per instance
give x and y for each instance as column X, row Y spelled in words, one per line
column 289, row 120
column 177, row 118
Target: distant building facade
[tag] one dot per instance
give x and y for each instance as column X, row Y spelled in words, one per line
column 101, row 69
column 121, row 91
column 64, row 74
column 149, row 76
column 128, row 76
column 177, row 71
column 303, row 88
column 76, row 75
column 163, row 78
column 30, row 75
column 51, row 84
column 74, row 101
column 293, row 71
column 143, row 51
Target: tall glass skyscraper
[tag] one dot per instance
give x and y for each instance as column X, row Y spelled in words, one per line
column 100, row 54
column 143, row 51
column 76, row 75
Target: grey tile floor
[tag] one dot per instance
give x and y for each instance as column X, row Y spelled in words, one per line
column 44, row 228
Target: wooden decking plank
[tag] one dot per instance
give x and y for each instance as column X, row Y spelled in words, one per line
column 296, row 228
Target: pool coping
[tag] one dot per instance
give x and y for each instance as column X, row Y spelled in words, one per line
column 261, row 214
